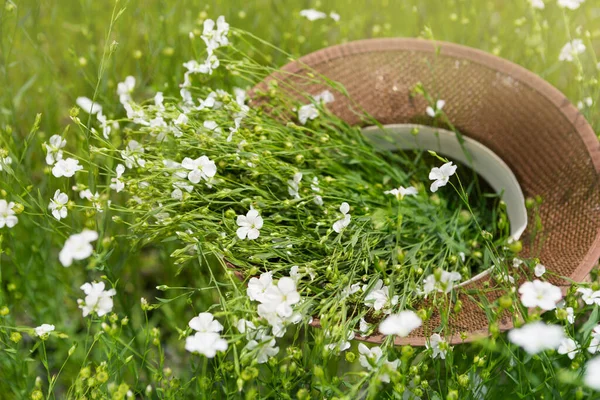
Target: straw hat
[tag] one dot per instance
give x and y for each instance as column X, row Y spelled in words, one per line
column 530, row 125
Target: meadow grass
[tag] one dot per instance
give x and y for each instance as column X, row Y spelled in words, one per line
column 52, row 52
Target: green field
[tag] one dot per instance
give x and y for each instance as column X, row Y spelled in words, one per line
column 54, row 51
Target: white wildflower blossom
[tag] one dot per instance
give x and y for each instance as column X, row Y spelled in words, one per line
column 205, row 322
column 312, row 14
column 58, row 205
column 132, row 155
column 570, row 4
column 378, row 297
column 401, row 324
column 441, row 175
column 125, row 88
column 539, row 270
column 66, row 168
column 200, row 168
column 264, row 350
column 294, row 185
column 97, row 300
column 88, row 105
column 592, row 372
column 54, row 149
column 116, row 183
column 249, row 225
column 571, row 49
column 369, row 359
column 569, row 347
column 7, row 214
column 536, row 337
column 44, row 330
column 589, row 296
column 436, row 110
column 540, row 294
column 442, row 282
column 402, row 191
column 341, row 224
column 77, row 247
column 205, row 343
column 306, row 112
column 438, row 346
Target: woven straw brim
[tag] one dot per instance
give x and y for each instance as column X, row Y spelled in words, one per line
column 543, row 138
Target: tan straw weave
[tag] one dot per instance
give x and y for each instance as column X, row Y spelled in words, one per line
column 542, row 137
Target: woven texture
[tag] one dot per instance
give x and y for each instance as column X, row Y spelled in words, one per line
column 540, row 135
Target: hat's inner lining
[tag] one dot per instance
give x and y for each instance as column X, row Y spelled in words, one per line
column 485, row 162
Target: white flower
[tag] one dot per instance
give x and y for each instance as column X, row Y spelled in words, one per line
column 54, row 149
column 205, row 322
column 66, row 168
column 88, row 105
column 243, row 325
column 595, row 343
column 77, row 247
column 7, row 214
column 444, row 284
column 592, row 373
column 117, row 184
column 369, row 359
column 441, row 175
column 266, row 349
column 342, row 345
column 400, row 324
column 324, row 97
column 570, row 4
column 215, row 37
column 249, row 225
column 402, row 191
column 538, row 4
column 97, row 300
column 125, row 88
column 306, row 112
column 378, row 297
column 571, row 49
column 205, row 343
column 568, row 346
column 182, row 119
column 351, row 289
column 294, row 184
column 432, row 112
column 257, row 287
column 132, row 155
column 200, row 168
column 5, row 162
column 58, row 205
column 318, row 200
column 589, row 296
column 158, row 100
column 539, row 270
column 517, row 262
column 570, row 315
column 363, row 326
column 537, row 336
column 438, row 345
column 334, row 16
column 313, row 15
column 282, row 297
column 340, row 224
column 44, row 330
column 540, row 294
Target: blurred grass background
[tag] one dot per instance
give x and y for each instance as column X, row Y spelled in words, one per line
column 50, row 50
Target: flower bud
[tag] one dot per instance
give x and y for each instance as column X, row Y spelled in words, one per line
column 18, row 208
column 15, row 337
